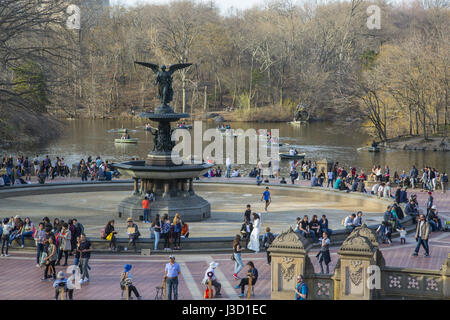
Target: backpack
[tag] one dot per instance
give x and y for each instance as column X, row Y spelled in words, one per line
column 103, row 233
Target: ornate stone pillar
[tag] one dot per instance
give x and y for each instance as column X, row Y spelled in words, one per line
column 445, row 270
column 289, row 252
column 358, row 252
column 136, row 186
column 166, row 193
column 191, row 186
column 143, row 184
column 150, row 186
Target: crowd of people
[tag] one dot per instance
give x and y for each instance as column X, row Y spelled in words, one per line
column 21, row 170
column 53, row 242
column 162, row 229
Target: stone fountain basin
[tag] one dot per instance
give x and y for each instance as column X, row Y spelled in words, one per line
column 139, row 169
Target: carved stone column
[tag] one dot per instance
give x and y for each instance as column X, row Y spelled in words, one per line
column 358, row 252
column 191, row 186
column 166, row 193
column 445, row 270
column 136, row 186
column 289, row 252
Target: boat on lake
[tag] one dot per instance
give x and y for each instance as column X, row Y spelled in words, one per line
column 292, row 157
column 130, row 140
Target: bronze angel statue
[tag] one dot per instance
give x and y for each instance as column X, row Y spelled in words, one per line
column 164, row 79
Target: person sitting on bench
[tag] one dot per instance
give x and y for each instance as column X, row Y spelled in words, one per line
column 251, row 273
column 127, row 280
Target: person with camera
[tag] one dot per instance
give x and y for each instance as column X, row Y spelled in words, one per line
column 126, row 280
column 62, row 283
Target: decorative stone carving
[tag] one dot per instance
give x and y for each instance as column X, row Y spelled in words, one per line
column 291, row 240
column 356, row 243
column 288, row 271
column 413, row 283
column 366, row 232
column 356, row 272
column 395, row 282
column 432, row 285
column 323, row 289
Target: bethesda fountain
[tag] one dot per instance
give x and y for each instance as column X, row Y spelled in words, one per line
column 164, row 173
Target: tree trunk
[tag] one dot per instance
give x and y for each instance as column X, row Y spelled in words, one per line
column 205, row 102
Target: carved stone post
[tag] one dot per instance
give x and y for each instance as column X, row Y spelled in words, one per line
column 150, row 186
column 191, row 186
column 445, row 270
column 136, row 186
column 166, row 193
column 358, row 252
column 289, row 252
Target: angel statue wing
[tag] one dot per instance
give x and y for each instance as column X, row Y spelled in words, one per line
column 179, row 66
column 152, row 66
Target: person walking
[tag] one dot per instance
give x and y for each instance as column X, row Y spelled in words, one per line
column 267, row 240
column 156, row 228
column 237, row 249
column 324, row 253
column 421, row 236
column 444, row 182
column 210, row 273
column 266, row 197
column 85, row 249
column 172, row 271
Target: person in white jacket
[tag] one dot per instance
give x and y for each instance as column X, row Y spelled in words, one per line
column 211, row 273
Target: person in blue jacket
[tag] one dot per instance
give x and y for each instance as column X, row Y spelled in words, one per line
column 301, row 289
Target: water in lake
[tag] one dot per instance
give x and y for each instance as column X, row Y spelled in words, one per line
column 318, row 140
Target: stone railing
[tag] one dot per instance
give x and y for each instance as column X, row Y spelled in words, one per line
column 360, row 272
column 413, row 283
column 321, row 287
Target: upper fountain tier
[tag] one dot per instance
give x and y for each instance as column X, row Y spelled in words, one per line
column 164, row 113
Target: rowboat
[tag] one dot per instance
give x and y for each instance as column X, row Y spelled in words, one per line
column 131, row 140
column 292, row 157
column 122, row 130
column 297, row 123
column 369, row 149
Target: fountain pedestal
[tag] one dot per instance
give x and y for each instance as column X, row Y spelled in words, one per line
column 171, row 183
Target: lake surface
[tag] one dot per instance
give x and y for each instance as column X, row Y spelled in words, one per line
column 319, row 140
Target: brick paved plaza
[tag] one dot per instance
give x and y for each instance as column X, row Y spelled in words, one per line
column 20, row 277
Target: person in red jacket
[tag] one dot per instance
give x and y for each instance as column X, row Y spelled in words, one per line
column 146, row 209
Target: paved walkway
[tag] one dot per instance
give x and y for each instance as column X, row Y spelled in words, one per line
column 20, row 277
